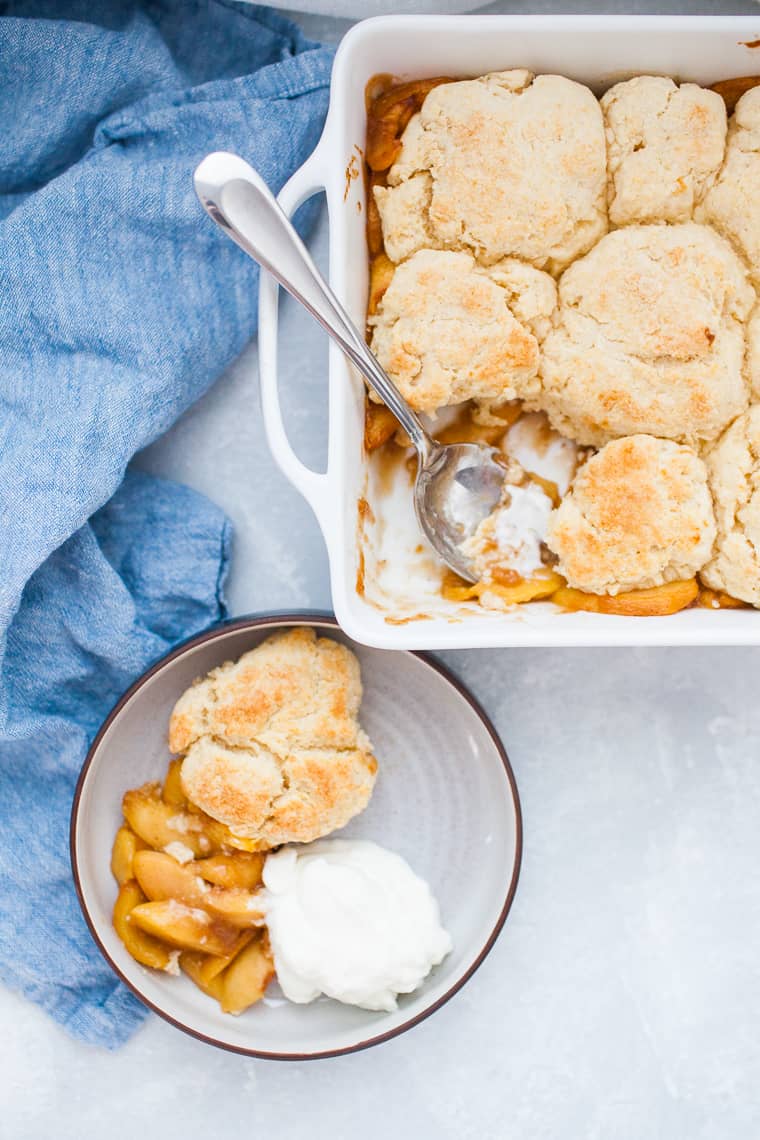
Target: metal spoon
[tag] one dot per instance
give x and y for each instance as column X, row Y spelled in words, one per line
column 457, row 485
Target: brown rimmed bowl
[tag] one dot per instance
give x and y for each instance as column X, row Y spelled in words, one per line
column 445, row 799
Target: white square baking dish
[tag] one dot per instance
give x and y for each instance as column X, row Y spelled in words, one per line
column 384, row 591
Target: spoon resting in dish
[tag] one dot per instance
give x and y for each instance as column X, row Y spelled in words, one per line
column 457, row 485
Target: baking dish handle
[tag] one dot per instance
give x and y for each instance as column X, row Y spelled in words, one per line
column 307, row 181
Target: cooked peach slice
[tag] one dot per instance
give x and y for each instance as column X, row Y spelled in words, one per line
column 529, row 590
column 162, row 877
column 467, row 430
column 455, row 589
column 375, row 243
column 238, row 907
column 187, row 927
column 717, row 600
column 125, row 846
column 159, row 823
column 192, row 963
column 731, row 90
column 388, row 117
column 380, row 276
column 655, row 602
column 215, row 963
column 172, row 793
column 238, row 842
column 242, row 869
column 246, row 979
column 144, row 949
column 380, row 425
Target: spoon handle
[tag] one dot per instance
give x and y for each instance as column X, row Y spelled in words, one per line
column 241, row 203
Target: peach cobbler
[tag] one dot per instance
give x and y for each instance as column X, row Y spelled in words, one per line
column 270, row 752
column 574, row 281
column 219, row 874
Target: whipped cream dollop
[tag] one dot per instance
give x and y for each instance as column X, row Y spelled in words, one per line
column 350, row 919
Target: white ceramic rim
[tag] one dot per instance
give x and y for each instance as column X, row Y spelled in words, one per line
column 319, row 620
column 672, row 38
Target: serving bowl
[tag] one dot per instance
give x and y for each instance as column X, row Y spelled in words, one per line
column 385, row 585
column 445, row 799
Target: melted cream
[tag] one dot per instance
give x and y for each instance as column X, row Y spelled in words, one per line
column 351, row 920
column 542, row 451
column 512, row 535
column 520, row 529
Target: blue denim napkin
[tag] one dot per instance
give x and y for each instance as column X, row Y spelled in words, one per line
column 119, row 305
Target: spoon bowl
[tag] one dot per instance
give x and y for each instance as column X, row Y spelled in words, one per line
column 455, row 490
column 457, row 485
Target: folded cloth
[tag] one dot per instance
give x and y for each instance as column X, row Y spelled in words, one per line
column 349, row 8
column 145, row 572
column 121, row 303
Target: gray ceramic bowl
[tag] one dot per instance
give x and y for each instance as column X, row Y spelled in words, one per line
column 445, row 799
